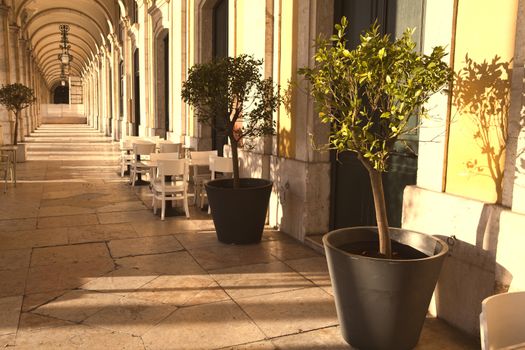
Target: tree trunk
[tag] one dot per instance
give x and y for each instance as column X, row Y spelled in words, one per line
column 235, row 161
column 15, row 136
column 376, row 181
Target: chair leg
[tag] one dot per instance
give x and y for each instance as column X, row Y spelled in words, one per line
column 186, row 209
column 133, row 176
column 154, row 204
column 163, row 210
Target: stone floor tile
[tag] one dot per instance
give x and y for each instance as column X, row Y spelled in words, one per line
column 18, row 224
column 321, row 339
column 208, row 326
column 70, row 254
column 66, row 221
column 122, row 206
column 291, row 312
column 289, row 249
column 125, row 216
column 121, row 281
column 97, row 233
column 32, row 301
column 182, row 290
column 33, row 238
column 178, row 263
column 437, row 335
column 131, row 316
column 259, row 279
column 7, row 341
column 260, row 345
column 197, row 239
column 14, row 259
column 153, row 228
column 77, row 305
column 61, row 210
column 314, row 269
column 224, row 255
column 77, row 337
column 174, row 225
column 30, row 322
column 56, row 277
column 12, row 282
column 144, row 245
column 10, row 308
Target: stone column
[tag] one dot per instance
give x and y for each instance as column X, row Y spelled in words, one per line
column 4, row 70
column 23, row 78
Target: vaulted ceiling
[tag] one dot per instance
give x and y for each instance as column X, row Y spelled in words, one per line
column 90, row 22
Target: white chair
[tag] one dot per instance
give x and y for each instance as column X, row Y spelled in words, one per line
column 169, row 147
column 217, row 165
column 227, row 151
column 4, row 168
column 200, row 163
column 174, row 189
column 126, row 146
column 502, row 321
column 155, row 157
column 141, row 152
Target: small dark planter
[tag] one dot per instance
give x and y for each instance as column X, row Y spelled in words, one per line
column 382, row 303
column 239, row 214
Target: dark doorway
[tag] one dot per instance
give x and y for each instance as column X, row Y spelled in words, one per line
column 351, row 196
column 166, row 84
column 136, row 93
column 220, row 50
column 110, row 119
column 61, row 95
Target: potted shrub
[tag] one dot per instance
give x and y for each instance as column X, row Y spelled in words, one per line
column 383, row 277
column 230, row 95
column 16, row 97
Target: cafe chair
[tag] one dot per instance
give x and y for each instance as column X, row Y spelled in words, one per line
column 170, row 184
column 141, row 152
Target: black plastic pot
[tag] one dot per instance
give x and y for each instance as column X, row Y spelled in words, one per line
column 382, row 303
column 239, row 214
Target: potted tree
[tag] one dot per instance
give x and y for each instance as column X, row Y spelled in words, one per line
column 230, row 95
column 16, row 97
column 383, row 277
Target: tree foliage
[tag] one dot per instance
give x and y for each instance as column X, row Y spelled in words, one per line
column 230, row 95
column 16, row 97
column 369, row 94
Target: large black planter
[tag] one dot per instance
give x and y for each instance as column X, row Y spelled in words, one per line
column 382, row 303
column 239, row 214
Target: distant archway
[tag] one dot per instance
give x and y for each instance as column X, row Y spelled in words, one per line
column 61, row 94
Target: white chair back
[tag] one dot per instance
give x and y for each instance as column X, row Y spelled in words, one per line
column 502, row 321
column 140, row 148
column 171, row 167
column 167, row 156
column 220, row 164
column 202, row 157
column 169, row 147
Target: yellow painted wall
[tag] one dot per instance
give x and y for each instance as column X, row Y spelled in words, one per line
column 287, row 49
column 251, row 27
column 485, row 32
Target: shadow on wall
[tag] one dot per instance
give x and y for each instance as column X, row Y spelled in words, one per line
column 482, row 90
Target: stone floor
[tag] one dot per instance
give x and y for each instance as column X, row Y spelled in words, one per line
column 85, row 264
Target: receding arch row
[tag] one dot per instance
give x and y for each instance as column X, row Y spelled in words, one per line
column 73, row 35
column 76, row 12
column 24, row 3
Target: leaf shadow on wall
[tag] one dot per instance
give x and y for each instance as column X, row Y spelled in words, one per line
column 482, row 91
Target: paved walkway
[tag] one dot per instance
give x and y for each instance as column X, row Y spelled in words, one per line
column 85, row 264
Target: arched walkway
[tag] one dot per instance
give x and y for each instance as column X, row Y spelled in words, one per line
column 85, row 263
